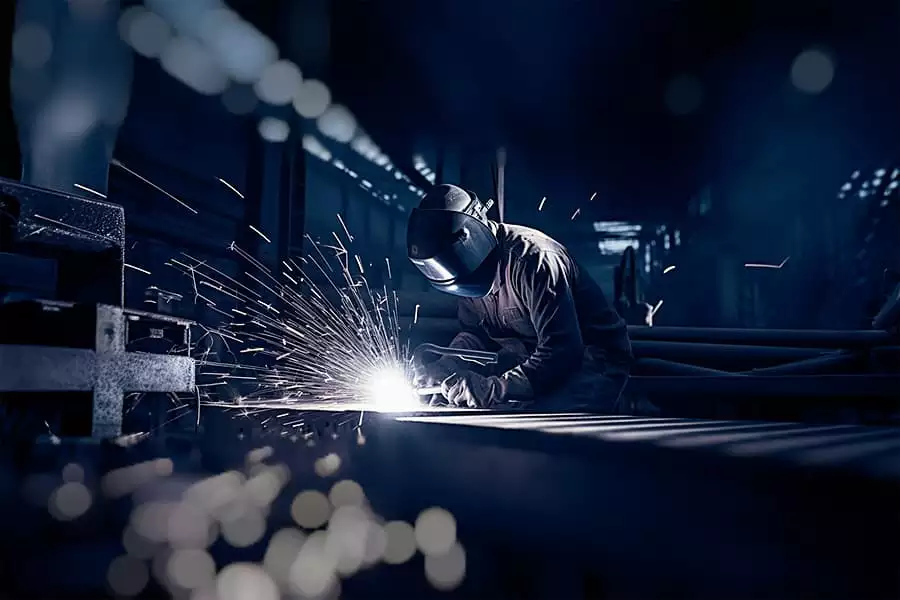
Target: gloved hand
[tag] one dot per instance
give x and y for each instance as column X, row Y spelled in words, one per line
column 433, row 374
column 469, row 389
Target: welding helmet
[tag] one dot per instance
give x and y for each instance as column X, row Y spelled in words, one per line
column 450, row 241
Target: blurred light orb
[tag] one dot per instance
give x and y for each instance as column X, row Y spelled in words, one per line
column 327, row 465
column 310, row 509
column 337, row 123
column 435, row 531
column 242, row 50
column 400, row 543
column 346, row 493
column 684, row 95
column 279, row 83
column 446, row 571
column 32, row 45
column 146, row 32
column 245, row 530
column 274, row 130
column 284, row 546
column 190, row 63
column 314, row 572
column 315, row 147
column 69, row 501
column 240, row 581
column 812, row 72
column 188, row 526
column 73, row 473
column 191, row 569
column 127, row 576
column 312, row 99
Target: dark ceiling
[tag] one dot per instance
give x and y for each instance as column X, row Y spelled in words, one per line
column 577, row 87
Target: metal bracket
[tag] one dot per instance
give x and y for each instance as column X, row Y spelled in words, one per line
column 107, row 370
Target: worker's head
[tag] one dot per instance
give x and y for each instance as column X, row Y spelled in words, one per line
column 450, row 240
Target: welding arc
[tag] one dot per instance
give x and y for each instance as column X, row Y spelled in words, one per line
column 319, row 337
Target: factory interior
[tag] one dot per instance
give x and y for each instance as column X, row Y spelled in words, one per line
column 209, row 311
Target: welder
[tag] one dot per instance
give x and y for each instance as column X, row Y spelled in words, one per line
column 521, row 294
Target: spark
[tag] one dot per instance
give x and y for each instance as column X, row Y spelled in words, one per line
column 153, row 185
column 230, row 187
column 575, row 214
column 316, row 330
column 594, row 195
column 669, row 269
column 767, row 266
column 144, row 271
column 541, row 205
column 260, row 234
column 89, row 190
column 416, row 315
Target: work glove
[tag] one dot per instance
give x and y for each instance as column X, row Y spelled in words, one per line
column 432, row 375
column 468, row 389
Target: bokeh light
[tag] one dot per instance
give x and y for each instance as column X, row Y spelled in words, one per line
column 312, row 99
column 435, row 531
column 279, row 84
column 240, row 581
column 274, row 130
column 812, row 71
column 310, row 509
column 446, row 571
column 70, row 501
column 400, row 543
column 32, row 45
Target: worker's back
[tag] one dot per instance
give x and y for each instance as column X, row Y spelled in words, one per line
column 504, row 311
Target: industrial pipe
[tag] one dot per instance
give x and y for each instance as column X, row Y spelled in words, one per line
column 797, row 338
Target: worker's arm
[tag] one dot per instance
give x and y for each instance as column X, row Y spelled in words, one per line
column 472, row 336
column 544, row 283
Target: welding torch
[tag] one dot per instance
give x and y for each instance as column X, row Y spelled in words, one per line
column 479, row 357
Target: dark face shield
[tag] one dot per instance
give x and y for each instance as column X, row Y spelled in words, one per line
column 456, row 252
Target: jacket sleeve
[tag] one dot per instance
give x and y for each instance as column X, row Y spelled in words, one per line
column 544, row 285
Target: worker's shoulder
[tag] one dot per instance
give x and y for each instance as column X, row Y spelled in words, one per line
column 529, row 243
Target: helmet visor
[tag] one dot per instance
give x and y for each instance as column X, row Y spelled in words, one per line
column 446, row 246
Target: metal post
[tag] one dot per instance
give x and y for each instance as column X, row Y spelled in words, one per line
column 501, row 182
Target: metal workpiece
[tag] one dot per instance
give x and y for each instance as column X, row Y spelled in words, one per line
column 80, row 241
column 53, row 217
column 104, row 367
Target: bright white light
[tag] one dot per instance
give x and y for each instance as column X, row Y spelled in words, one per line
column 391, row 391
column 617, row 246
column 616, row 227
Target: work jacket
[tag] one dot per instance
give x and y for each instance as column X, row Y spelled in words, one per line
column 551, row 308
